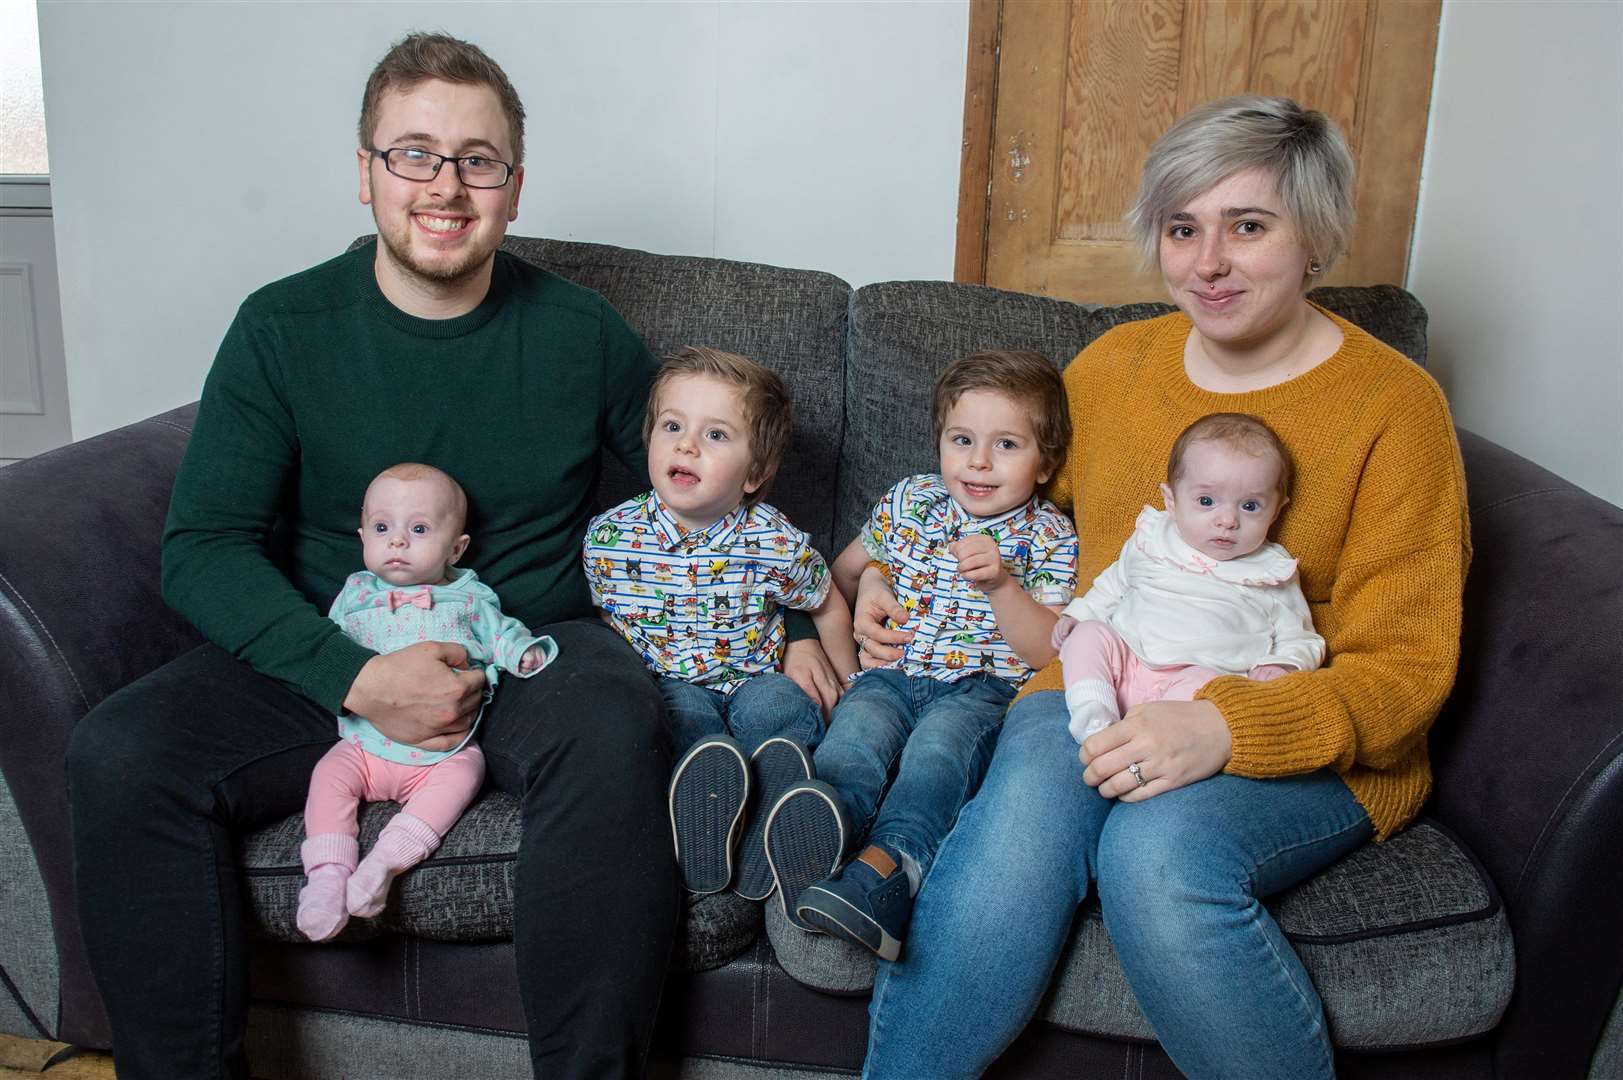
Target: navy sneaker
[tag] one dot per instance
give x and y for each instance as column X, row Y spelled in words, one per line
column 709, row 788
column 776, row 764
column 806, row 833
column 868, row 903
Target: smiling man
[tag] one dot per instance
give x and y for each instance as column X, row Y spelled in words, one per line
column 430, row 346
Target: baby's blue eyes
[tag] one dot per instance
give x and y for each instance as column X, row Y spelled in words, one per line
column 419, row 529
column 716, row 435
column 1250, row 506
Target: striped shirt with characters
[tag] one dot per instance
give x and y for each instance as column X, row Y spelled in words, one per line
column 955, row 630
column 703, row 606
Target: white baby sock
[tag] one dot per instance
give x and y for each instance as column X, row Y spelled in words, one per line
column 1092, row 704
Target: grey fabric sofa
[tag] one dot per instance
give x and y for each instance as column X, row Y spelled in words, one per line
column 1486, row 940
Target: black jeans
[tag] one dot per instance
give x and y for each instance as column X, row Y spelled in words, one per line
column 163, row 773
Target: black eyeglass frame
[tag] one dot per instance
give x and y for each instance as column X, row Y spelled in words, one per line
column 443, row 158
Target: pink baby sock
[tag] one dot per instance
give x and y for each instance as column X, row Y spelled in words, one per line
column 329, row 859
column 403, row 843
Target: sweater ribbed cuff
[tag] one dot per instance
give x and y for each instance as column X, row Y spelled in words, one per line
column 332, row 673
column 1266, row 726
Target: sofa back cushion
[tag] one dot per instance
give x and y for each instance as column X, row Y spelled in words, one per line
column 792, row 321
column 903, row 333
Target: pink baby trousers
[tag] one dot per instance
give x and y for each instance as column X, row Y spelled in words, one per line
column 1096, row 655
column 435, row 794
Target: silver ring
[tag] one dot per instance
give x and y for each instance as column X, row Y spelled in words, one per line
column 1138, row 774
column 862, row 642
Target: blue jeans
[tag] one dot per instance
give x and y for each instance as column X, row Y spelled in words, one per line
column 764, row 706
column 1179, row 877
column 943, row 734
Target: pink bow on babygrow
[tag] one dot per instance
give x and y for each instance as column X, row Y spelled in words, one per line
column 423, row 598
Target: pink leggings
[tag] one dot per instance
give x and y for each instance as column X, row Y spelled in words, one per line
column 435, row 794
column 1095, row 654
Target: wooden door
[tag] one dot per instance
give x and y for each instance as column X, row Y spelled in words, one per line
column 1064, row 98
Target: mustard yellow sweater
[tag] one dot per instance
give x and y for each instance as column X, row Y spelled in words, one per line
column 1376, row 519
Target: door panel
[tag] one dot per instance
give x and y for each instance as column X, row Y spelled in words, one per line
column 1084, row 87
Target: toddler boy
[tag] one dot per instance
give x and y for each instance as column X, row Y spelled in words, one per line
column 982, row 566
column 695, row 574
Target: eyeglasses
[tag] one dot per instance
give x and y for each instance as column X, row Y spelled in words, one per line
column 474, row 170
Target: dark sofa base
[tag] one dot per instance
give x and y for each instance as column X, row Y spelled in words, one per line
column 736, row 1018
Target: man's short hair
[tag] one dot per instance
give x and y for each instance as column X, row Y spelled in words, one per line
column 1301, row 149
column 1241, row 432
column 768, row 412
column 418, row 57
column 1026, row 377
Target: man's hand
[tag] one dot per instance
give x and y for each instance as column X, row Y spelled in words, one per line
column 807, row 664
column 418, row 696
column 1173, row 743
column 980, row 561
column 877, row 644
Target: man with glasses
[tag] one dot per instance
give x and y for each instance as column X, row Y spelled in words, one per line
column 430, row 346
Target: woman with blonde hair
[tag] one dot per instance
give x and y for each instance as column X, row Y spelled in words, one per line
column 1188, row 813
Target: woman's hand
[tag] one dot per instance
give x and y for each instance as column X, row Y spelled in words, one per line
column 1173, row 743
column 878, row 645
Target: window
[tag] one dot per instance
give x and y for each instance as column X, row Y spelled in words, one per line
column 22, row 98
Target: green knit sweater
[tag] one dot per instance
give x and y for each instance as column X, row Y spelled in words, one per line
column 321, row 383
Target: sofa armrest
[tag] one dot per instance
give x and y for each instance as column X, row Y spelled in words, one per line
column 1528, row 752
column 81, row 615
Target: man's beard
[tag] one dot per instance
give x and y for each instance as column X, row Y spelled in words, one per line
column 438, row 274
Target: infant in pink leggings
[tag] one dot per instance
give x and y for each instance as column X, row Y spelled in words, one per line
column 411, row 537
column 1198, row 590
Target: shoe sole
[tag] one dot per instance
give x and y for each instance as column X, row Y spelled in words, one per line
column 776, row 764
column 835, row 915
column 805, row 836
column 708, row 792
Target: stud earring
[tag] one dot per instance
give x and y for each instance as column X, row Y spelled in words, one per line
column 1314, row 266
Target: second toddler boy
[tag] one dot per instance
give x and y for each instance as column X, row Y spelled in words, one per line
column 695, row 575
column 981, row 565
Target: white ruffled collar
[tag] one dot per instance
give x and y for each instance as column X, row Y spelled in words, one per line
column 1156, row 538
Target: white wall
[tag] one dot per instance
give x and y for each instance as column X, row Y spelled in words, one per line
column 1518, row 251
column 821, row 135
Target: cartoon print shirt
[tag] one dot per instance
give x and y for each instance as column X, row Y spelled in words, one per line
column 463, row 611
column 704, row 606
column 955, row 632
column 1174, row 605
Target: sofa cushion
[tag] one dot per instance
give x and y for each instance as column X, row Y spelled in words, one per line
column 1406, row 942
column 464, row 892
column 903, row 333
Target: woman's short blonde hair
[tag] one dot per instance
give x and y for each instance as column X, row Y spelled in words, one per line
column 1301, row 148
